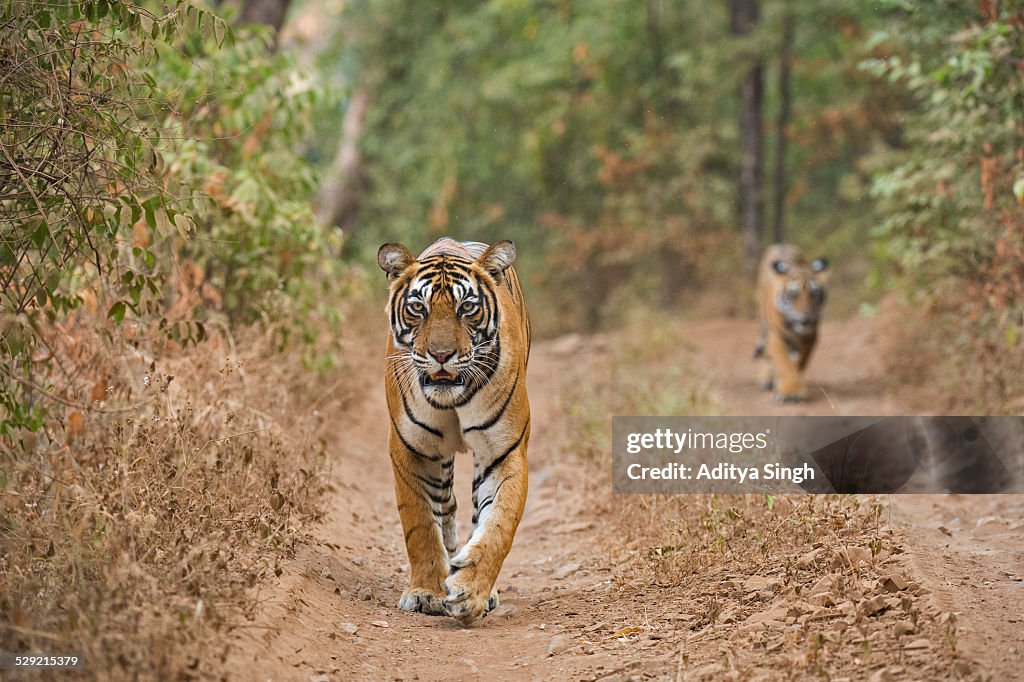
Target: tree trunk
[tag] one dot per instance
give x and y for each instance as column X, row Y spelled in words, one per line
column 342, row 187
column 743, row 17
column 785, row 67
column 269, row 12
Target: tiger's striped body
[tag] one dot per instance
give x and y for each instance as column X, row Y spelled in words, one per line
column 790, row 297
column 456, row 380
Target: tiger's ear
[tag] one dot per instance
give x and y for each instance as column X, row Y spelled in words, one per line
column 498, row 258
column 394, row 259
column 819, row 265
column 780, row 266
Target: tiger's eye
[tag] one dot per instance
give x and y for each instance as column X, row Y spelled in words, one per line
column 416, row 307
column 468, row 308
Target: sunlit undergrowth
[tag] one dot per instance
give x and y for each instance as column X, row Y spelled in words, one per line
column 135, row 540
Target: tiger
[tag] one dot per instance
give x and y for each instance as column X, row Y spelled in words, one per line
column 455, row 380
column 790, row 297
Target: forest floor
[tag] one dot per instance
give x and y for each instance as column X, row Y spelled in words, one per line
column 902, row 587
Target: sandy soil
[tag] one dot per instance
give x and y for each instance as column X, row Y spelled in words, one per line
column 332, row 612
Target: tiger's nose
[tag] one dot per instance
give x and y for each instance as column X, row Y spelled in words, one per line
column 441, row 355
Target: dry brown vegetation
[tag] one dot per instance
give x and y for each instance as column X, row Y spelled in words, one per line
column 205, row 525
column 961, row 371
column 748, row 587
column 786, row 588
column 182, row 485
column 643, row 368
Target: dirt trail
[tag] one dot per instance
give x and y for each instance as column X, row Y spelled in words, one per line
column 558, row 583
column 553, row 577
column 967, row 549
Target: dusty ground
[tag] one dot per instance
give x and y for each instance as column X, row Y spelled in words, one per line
column 967, row 549
column 948, row 579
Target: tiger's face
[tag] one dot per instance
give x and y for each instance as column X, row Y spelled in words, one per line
column 800, row 294
column 444, row 319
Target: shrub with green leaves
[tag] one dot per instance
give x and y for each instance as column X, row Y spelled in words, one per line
column 81, row 161
column 242, row 113
column 951, row 198
column 151, row 174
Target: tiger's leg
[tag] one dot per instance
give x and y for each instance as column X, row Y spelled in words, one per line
column 492, row 602
column 499, row 489
column 788, row 387
column 423, row 488
column 765, row 373
column 446, row 514
column 765, row 376
column 805, row 354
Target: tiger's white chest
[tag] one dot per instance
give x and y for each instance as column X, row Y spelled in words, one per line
column 481, row 425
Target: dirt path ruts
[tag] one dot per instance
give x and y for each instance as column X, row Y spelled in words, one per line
column 558, row 577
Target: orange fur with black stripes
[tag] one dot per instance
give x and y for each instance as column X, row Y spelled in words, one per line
column 790, row 298
column 456, row 380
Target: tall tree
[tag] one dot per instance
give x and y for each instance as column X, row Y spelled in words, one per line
column 343, row 185
column 743, row 18
column 781, row 123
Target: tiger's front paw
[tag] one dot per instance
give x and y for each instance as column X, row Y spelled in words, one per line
column 796, row 397
column 420, row 600
column 469, row 591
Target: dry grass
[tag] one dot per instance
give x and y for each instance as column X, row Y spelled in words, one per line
column 761, row 587
column 952, row 364
column 644, row 368
column 134, row 534
column 795, row 586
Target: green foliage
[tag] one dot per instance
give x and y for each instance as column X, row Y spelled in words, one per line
column 950, row 202
column 241, row 114
column 81, row 163
column 943, row 193
column 603, row 135
column 150, row 176
column 566, row 126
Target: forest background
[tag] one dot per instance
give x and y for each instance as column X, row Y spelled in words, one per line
column 167, row 171
column 179, row 174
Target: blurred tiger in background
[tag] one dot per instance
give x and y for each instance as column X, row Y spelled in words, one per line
column 456, row 380
column 790, row 297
